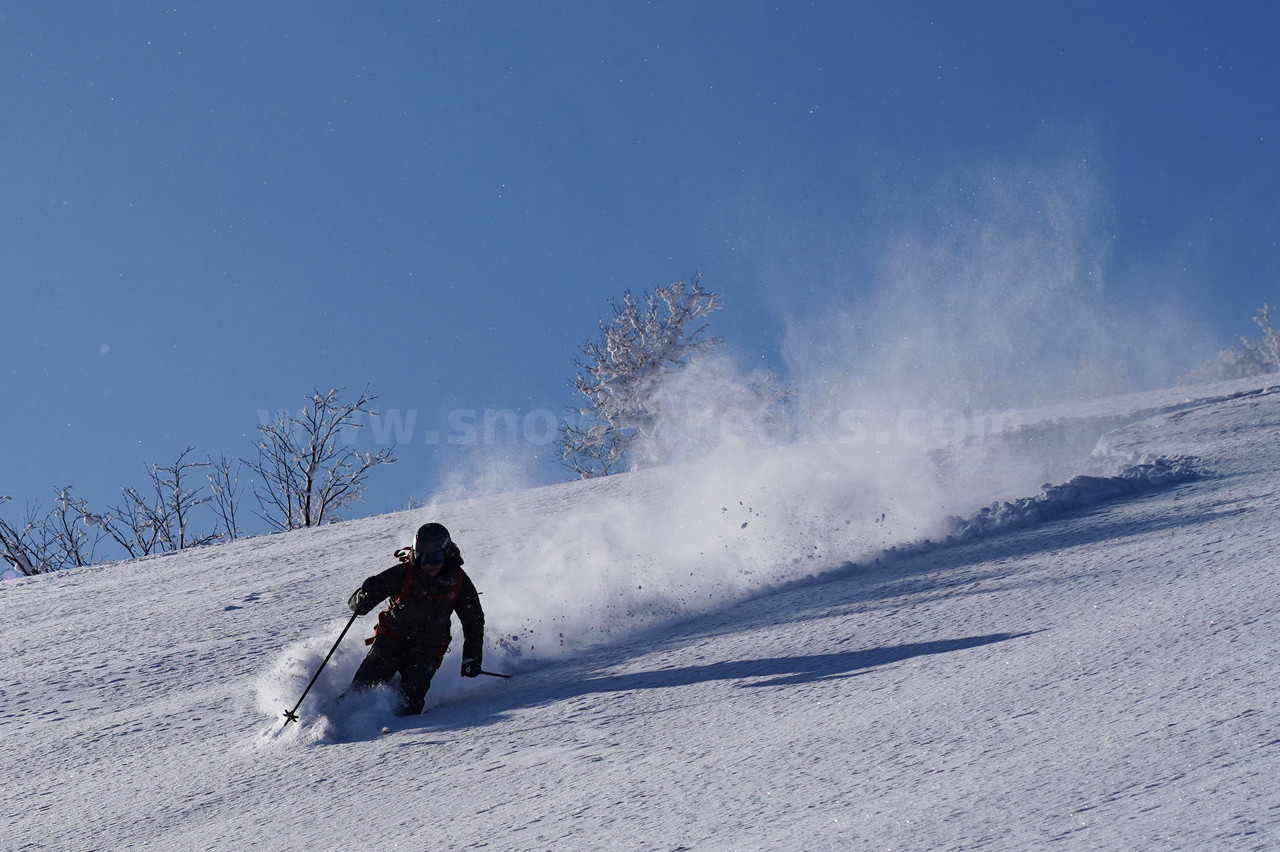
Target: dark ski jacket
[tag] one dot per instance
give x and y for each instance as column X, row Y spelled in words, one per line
column 422, row 616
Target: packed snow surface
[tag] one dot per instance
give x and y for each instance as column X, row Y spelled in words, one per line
column 1062, row 633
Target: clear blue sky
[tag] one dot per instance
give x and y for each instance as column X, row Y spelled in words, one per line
column 208, row 208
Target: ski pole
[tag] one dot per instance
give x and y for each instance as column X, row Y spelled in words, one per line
column 493, row 674
column 292, row 715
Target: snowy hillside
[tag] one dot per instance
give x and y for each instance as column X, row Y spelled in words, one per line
column 772, row 650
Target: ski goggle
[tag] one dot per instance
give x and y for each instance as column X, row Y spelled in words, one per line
column 431, row 557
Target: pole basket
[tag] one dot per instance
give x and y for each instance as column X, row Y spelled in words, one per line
column 292, row 715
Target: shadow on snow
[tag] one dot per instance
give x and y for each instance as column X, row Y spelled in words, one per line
column 786, row 671
column 749, row 674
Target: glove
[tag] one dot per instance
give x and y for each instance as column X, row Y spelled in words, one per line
column 470, row 668
column 359, row 603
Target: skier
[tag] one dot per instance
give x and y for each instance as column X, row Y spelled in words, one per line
column 414, row 632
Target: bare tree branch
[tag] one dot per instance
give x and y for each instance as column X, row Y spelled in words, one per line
column 224, row 483
column 306, row 472
column 176, row 503
column 161, row 520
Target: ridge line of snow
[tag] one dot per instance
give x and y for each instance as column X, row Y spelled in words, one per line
column 1053, row 502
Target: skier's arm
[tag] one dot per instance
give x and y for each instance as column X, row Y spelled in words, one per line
column 472, row 618
column 376, row 589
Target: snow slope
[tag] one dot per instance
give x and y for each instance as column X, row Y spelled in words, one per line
column 756, row 652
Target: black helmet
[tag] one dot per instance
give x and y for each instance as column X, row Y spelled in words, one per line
column 430, row 544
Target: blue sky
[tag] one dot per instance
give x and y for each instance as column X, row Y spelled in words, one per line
column 206, row 209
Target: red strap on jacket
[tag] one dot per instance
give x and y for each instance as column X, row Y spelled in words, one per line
column 406, row 590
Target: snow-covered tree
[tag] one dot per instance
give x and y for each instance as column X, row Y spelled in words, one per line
column 67, row 531
column 1251, row 358
column 306, row 471
column 50, row 541
column 19, row 547
column 1267, row 347
column 645, row 341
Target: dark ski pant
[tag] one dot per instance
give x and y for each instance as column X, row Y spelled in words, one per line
column 416, row 663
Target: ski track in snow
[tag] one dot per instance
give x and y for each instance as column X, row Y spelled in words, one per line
column 786, row 653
